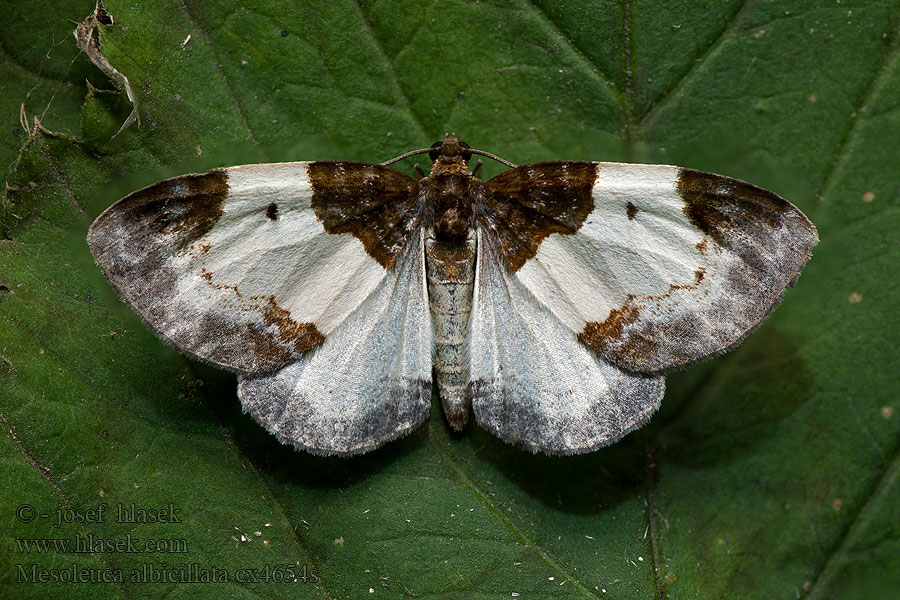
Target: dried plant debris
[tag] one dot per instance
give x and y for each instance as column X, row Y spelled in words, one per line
column 86, row 36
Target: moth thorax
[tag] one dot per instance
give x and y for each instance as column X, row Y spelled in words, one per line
column 453, row 207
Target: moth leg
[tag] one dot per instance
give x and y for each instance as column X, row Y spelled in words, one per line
column 476, row 172
column 418, row 171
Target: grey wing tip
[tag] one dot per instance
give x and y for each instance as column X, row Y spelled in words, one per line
column 334, row 451
column 293, row 420
column 499, row 412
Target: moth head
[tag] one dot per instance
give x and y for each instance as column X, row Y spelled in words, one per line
column 450, row 149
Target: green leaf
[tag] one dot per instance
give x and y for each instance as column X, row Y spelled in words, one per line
column 772, row 471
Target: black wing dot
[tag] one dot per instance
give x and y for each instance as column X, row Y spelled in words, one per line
column 631, row 209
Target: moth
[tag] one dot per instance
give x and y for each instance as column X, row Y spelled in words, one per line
column 549, row 300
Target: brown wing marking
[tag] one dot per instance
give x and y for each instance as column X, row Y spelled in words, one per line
column 184, row 207
column 641, row 344
column 526, row 204
column 274, row 340
column 374, row 203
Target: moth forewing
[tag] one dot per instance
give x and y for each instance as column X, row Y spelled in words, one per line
column 668, row 267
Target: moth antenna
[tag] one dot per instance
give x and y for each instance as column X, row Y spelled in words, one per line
column 406, row 155
column 427, row 150
column 493, row 157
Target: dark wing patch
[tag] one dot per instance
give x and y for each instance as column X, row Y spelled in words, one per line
column 732, row 212
column 596, row 334
column 375, row 204
column 526, row 204
column 184, row 207
column 155, row 223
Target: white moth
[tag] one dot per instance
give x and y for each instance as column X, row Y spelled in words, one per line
column 549, row 300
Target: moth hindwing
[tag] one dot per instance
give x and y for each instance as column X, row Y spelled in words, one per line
column 549, row 300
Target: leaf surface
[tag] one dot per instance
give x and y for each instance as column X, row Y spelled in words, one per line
column 769, row 472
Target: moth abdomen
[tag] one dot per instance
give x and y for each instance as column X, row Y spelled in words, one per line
column 450, row 275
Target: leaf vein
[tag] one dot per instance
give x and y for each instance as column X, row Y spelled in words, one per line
column 445, row 455
column 593, row 67
column 631, row 132
column 234, row 100
column 652, row 475
column 842, row 541
column 698, row 60
column 395, row 80
column 44, row 472
column 270, row 496
column 856, row 116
